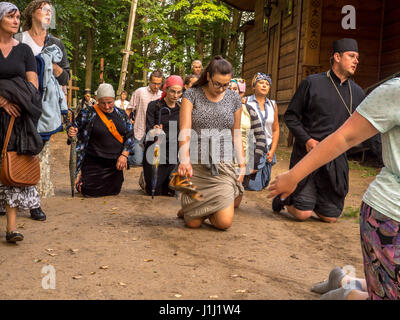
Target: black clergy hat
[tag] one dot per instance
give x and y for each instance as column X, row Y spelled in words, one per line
column 345, row 44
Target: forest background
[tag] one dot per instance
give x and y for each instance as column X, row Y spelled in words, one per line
column 168, row 35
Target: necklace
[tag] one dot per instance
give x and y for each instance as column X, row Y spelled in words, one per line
column 350, row 110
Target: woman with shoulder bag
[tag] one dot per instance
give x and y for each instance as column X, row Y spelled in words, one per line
column 18, row 83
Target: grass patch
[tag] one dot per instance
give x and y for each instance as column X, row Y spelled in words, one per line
column 351, row 213
column 366, row 171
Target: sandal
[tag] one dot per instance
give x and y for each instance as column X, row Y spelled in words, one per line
column 184, row 185
column 14, row 236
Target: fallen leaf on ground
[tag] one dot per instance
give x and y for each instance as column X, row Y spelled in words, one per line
column 92, row 273
column 178, row 295
column 21, row 225
column 134, row 239
column 213, row 297
column 234, row 275
column 77, row 277
column 240, row 291
column 37, row 260
column 52, row 254
column 114, row 208
column 148, row 260
column 73, row 251
column 104, row 267
column 122, row 284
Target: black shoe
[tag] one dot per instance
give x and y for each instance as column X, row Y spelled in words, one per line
column 2, row 213
column 14, row 236
column 277, row 204
column 38, row 214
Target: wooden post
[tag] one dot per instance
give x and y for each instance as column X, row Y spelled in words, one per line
column 127, row 49
column 102, row 70
column 70, row 89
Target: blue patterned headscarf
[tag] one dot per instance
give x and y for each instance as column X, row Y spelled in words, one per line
column 6, row 7
column 262, row 76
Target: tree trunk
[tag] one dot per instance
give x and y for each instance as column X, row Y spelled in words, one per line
column 200, row 44
column 75, row 52
column 237, row 17
column 89, row 57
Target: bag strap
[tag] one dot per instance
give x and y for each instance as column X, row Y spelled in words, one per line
column 109, row 124
column 8, row 135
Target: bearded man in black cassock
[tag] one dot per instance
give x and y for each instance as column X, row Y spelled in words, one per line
column 321, row 104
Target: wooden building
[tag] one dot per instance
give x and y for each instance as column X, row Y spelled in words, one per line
column 291, row 39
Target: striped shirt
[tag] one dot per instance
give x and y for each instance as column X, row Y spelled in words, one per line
column 259, row 135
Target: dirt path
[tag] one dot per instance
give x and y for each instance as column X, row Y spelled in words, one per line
column 132, row 247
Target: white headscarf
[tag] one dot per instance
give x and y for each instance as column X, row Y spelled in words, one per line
column 6, row 7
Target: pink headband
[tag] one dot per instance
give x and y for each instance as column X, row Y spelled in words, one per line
column 171, row 81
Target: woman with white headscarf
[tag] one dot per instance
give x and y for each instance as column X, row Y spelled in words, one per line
column 105, row 139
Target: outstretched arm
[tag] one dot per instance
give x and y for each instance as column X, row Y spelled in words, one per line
column 354, row 131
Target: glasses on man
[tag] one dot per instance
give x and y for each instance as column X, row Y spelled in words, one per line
column 218, row 85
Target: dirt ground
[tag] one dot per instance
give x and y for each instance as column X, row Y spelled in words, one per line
column 132, row 247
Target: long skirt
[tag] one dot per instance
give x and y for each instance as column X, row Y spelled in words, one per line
column 100, row 177
column 160, row 179
column 380, row 243
column 24, row 198
column 219, row 191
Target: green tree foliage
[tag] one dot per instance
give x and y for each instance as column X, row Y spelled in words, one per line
column 168, row 34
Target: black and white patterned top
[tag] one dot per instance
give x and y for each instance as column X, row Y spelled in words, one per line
column 212, row 121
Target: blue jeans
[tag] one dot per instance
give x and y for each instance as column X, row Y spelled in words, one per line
column 136, row 159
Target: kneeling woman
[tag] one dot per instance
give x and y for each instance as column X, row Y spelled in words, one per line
column 212, row 113
column 105, row 138
column 163, row 114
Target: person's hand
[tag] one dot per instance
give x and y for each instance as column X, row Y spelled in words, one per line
column 12, row 109
column 72, row 132
column 242, row 173
column 270, row 156
column 283, row 185
column 122, row 162
column 158, row 126
column 57, row 70
column 311, row 144
column 185, row 170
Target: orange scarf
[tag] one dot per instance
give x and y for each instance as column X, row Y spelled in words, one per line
column 109, row 124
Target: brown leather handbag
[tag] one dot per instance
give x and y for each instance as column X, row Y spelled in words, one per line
column 18, row 170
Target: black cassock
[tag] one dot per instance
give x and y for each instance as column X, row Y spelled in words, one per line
column 315, row 111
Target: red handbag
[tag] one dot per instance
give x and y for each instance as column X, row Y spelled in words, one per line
column 18, row 170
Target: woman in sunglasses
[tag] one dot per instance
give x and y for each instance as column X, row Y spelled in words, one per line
column 267, row 112
column 211, row 114
column 38, row 17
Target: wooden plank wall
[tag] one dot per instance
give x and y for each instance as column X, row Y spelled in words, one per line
column 390, row 62
column 367, row 34
column 255, row 49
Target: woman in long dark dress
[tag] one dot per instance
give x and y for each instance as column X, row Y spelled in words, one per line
column 104, row 143
column 16, row 62
column 168, row 107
